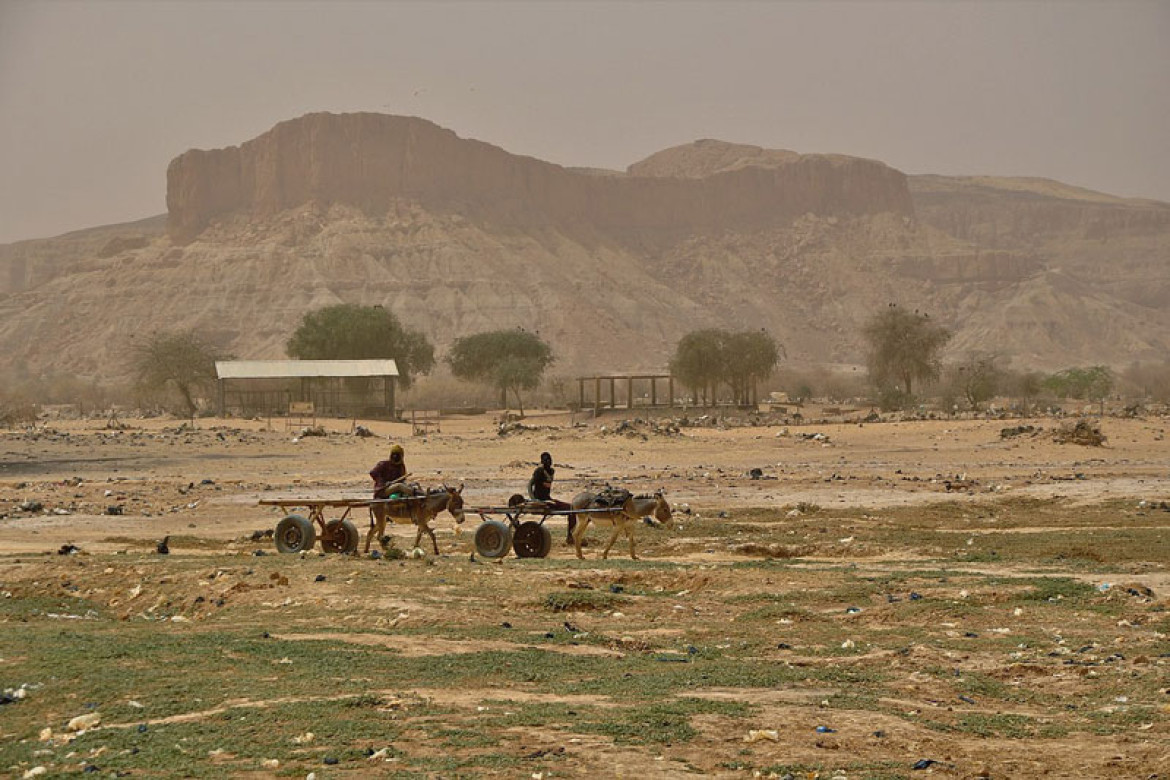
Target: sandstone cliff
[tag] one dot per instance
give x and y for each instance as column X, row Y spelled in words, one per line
column 371, row 161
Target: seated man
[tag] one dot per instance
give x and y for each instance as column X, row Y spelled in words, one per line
column 390, row 475
column 540, row 488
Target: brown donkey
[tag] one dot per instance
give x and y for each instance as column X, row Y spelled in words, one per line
column 420, row 510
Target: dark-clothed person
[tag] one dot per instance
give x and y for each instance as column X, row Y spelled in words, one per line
column 540, row 488
column 388, row 475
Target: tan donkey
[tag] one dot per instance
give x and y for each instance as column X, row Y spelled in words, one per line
column 624, row 517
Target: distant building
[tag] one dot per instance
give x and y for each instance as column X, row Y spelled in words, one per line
column 333, row 388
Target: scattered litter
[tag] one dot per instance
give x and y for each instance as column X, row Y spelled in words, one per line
column 924, row 763
column 305, row 738
column 83, row 722
column 759, row 735
column 1083, row 432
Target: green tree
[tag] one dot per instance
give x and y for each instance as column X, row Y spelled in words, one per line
column 506, row 359
column 183, row 361
column 1092, row 384
column 703, row 359
column 698, row 362
column 348, row 331
column 904, row 348
column 750, row 357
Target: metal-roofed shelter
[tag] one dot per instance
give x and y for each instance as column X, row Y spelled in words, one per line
column 346, row 388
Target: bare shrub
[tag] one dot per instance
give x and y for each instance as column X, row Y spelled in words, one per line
column 15, row 413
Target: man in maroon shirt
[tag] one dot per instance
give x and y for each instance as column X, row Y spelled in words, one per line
column 389, row 475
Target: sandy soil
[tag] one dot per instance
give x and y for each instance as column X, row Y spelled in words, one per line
column 168, row 479
column 107, row 490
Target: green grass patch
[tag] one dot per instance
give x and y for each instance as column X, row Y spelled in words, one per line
column 583, row 601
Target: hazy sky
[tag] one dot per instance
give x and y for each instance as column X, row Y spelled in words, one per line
column 97, row 97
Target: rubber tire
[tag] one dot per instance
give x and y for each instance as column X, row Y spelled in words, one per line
column 294, row 534
column 532, row 540
column 341, row 536
column 493, row 539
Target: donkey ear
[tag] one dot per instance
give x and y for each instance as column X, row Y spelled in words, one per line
column 460, row 489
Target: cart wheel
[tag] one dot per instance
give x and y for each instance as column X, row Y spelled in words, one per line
column 294, row 534
column 532, row 540
column 492, row 539
column 341, row 536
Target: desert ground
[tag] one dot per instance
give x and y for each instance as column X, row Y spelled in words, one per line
column 835, row 600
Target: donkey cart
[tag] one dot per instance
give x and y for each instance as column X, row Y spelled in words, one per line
column 527, row 538
column 296, row 533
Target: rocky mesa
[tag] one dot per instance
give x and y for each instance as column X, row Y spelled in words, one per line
column 371, row 161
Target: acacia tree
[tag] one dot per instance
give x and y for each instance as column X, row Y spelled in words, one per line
column 705, row 358
column 904, row 347
column 698, row 362
column 1027, row 386
column 1092, row 384
column 979, row 378
column 180, row 360
column 505, row 359
column 348, row 331
column 750, row 356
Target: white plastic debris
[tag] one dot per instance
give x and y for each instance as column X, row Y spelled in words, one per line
column 759, row 735
column 83, row 722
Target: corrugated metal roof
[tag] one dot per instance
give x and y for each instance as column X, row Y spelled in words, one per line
column 279, row 369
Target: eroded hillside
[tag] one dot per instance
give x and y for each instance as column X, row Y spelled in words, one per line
column 458, row 236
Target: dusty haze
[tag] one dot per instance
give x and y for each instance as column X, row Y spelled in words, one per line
column 96, row 99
